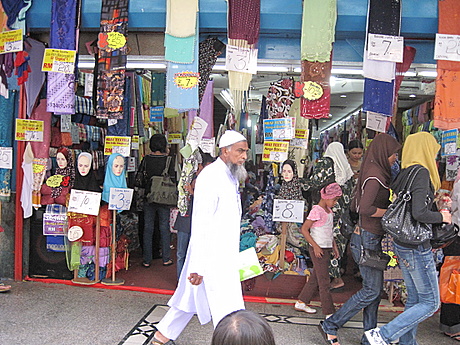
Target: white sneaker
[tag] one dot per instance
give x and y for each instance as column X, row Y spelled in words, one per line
column 374, row 337
column 300, row 306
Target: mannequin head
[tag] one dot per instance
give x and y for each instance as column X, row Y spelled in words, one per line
column 118, row 165
column 289, row 170
column 61, row 160
column 84, row 163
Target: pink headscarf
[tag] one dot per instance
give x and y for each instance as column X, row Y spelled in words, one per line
column 331, row 191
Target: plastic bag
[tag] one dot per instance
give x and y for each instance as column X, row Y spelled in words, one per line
column 449, row 280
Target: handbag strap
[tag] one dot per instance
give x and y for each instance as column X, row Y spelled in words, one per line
column 409, row 182
column 165, row 170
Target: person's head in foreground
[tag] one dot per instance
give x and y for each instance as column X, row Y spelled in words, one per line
column 233, row 149
column 243, row 327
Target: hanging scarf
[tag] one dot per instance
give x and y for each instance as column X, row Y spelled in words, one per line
column 446, row 101
column 181, row 17
column 384, row 17
column 7, row 115
column 209, row 50
column 158, row 89
column 280, row 97
column 318, row 30
column 244, row 20
column 290, row 190
column 318, row 73
column 403, row 67
column 379, row 96
column 61, row 86
column 36, row 78
column 422, row 148
column 179, row 49
column 342, row 169
column 13, row 8
column 206, row 111
column 111, row 180
column 378, row 70
column 111, row 62
column 448, row 23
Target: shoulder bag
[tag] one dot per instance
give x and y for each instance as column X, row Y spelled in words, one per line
column 162, row 189
column 398, row 221
column 140, row 180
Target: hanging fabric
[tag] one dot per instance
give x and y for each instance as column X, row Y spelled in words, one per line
column 206, row 111
column 384, row 17
column 181, row 16
column 316, row 98
column 379, row 96
column 61, row 86
column 209, row 50
column 403, row 67
column 8, row 107
column 158, row 86
column 112, row 58
column 378, row 70
column 280, row 97
column 448, row 23
column 318, row 29
column 446, row 101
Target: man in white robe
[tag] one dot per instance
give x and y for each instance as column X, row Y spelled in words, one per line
column 209, row 284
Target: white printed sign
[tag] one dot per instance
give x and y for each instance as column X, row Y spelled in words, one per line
column 82, row 201
column 277, row 156
column 241, row 59
column 6, row 157
column 66, row 121
column 385, row 48
column 289, row 211
column 297, row 142
column 447, row 47
column 89, row 78
column 196, row 132
column 33, row 136
column 376, row 122
column 208, row 145
column 120, row 198
column 131, row 164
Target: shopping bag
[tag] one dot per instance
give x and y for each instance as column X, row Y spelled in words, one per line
column 249, row 264
column 449, row 280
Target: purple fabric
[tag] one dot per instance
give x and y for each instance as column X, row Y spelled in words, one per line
column 378, row 96
column 36, row 77
column 87, row 254
column 207, row 109
column 244, row 20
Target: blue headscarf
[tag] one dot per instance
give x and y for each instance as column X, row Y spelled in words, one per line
column 111, row 180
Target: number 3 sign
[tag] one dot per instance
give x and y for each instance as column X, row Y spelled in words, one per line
column 120, row 198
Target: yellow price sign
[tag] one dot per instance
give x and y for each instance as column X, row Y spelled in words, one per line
column 29, row 130
column 187, row 80
column 116, row 40
column 11, row 41
column 312, row 90
column 59, row 60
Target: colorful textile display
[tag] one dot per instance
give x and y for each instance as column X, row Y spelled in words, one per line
column 209, row 50
column 157, row 98
column 179, row 49
column 318, row 29
column 112, row 58
column 280, row 97
column 384, row 17
column 61, row 86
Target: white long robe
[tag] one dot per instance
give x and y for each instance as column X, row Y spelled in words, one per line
column 213, row 248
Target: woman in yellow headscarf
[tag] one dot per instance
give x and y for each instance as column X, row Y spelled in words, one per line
column 416, row 261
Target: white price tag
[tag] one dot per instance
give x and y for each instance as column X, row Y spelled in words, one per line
column 196, row 132
column 15, row 46
column 89, row 78
column 123, row 150
column 385, row 48
column 259, row 149
column 63, row 67
column 241, row 59
column 112, row 122
column 281, row 134
column 120, row 198
column 82, row 201
column 6, row 157
column 297, row 142
column 66, row 122
column 447, row 47
column 290, row 211
column 131, row 164
column 276, row 156
column 376, row 122
column 33, row 136
column 450, row 149
column 208, row 145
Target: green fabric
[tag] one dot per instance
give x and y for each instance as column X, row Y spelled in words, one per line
column 73, row 260
column 179, row 49
column 318, row 29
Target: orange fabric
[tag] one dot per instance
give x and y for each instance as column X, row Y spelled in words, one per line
column 446, row 101
column 449, row 23
column 449, row 280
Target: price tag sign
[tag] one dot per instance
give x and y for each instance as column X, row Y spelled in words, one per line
column 300, row 143
column 376, row 122
column 447, row 47
column 29, row 130
column 131, row 164
column 114, row 144
column 120, row 198
column 59, row 60
column 54, row 224
column 6, row 157
column 174, row 138
column 196, row 132
column 157, row 114
column 89, row 79
column 135, row 142
column 385, row 48
column 279, row 129
column 288, row 211
column 208, row 146
column 275, row 151
column 241, row 59
column 449, row 142
column 186, row 80
column 85, row 202
column 11, row 41
column 66, row 123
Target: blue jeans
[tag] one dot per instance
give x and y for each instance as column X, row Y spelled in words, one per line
column 368, row 298
column 183, row 238
column 419, row 273
column 150, row 212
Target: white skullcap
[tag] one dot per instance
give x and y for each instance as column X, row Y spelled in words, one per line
column 230, row 138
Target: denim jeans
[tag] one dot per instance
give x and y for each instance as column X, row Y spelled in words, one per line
column 368, row 298
column 183, row 238
column 419, row 273
column 150, row 212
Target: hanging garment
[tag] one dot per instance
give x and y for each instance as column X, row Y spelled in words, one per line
column 379, row 96
column 403, row 67
column 315, row 75
column 318, row 30
column 36, row 78
column 384, row 17
column 448, row 23
column 446, row 101
column 111, row 179
column 244, row 20
column 112, row 59
column 209, row 50
column 379, row 70
column 27, row 183
column 280, row 97
column 15, row 10
column 207, row 110
column 179, row 49
column 158, row 89
column 61, row 86
column 181, row 17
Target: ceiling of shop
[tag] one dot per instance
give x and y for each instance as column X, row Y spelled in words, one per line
column 279, row 43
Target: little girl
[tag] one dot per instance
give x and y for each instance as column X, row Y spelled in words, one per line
column 318, row 231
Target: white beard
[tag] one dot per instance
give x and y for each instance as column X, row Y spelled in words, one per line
column 238, row 171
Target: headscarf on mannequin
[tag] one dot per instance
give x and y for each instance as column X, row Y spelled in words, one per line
column 68, row 173
column 290, row 190
column 342, row 169
column 111, row 180
column 422, row 148
column 89, row 181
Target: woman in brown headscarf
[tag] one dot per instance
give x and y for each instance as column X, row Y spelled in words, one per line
column 372, row 200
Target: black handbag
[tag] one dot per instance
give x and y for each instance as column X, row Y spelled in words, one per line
column 347, row 222
column 374, row 258
column 140, row 180
column 443, row 235
column 398, row 221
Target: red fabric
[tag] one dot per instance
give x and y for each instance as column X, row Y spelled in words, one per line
column 320, row 73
